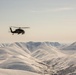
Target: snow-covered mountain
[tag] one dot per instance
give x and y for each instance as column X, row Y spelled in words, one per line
column 18, row 58
column 45, row 50
column 70, row 47
column 32, row 45
column 37, row 58
column 62, row 64
column 55, row 44
column 4, row 44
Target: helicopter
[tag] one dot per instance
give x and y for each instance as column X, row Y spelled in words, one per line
column 18, row 30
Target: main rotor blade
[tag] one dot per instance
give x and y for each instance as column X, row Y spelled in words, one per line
column 14, row 27
column 19, row 27
column 24, row 27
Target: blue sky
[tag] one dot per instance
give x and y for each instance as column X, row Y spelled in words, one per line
column 49, row 20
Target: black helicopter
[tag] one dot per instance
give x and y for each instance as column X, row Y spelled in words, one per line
column 18, row 30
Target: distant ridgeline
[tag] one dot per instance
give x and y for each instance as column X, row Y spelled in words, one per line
column 32, row 45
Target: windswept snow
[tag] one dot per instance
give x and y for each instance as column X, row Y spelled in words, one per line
column 37, row 58
column 14, row 57
column 15, row 72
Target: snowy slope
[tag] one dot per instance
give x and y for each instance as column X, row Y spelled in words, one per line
column 36, row 57
column 70, row 47
column 47, row 50
column 14, row 57
column 55, row 44
column 62, row 64
column 32, row 45
column 15, row 72
column 4, row 44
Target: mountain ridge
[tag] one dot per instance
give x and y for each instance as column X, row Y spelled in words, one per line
column 37, row 57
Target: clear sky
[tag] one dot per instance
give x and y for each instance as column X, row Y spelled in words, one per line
column 49, row 20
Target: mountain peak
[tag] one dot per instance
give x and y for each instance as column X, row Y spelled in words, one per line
column 73, row 44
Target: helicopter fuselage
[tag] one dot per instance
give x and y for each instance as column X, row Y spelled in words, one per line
column 18, row 31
